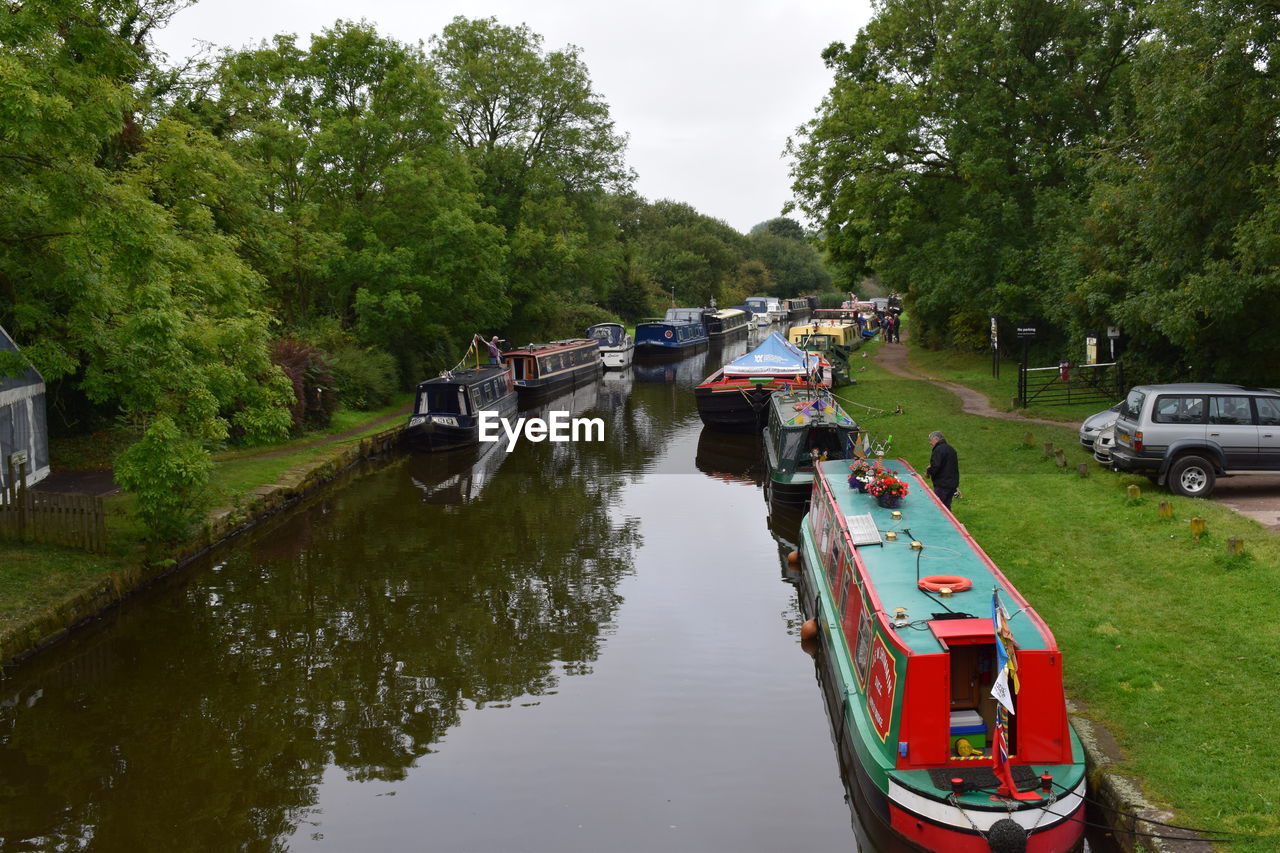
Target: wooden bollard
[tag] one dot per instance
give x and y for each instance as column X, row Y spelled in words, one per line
column 1060, row 456
column 1083, row 469
column 1048, row 449
column 1235, row 546
column 1134, row 490
column 1166, row 509
column 1029, row 440
column 1197, row 527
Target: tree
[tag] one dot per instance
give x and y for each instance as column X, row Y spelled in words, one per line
column 793, row 263
column 116, row 274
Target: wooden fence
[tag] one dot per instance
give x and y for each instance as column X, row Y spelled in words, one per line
column 77, row 521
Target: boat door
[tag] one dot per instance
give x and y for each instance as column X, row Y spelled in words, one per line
column 972, row 708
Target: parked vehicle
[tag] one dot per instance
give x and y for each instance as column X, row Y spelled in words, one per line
column 1094, row 424
column 1187, row 435
column 1102, row 445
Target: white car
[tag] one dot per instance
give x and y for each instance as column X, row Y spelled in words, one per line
column 1105, row 440
column 1096, row 423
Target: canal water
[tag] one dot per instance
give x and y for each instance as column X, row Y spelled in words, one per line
column 582, row 646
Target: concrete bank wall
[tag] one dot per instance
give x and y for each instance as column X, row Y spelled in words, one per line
column 54, row 623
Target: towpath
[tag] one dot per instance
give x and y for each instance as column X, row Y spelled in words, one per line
column 1254, row 495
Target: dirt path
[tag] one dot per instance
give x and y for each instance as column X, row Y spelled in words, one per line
column 1255, row 495
column 893, row 358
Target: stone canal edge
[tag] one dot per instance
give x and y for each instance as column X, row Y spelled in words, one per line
column 1125, row 807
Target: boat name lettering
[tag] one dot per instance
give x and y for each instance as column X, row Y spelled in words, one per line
column 558, row 426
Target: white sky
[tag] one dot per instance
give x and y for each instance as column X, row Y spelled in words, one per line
column 706, row 90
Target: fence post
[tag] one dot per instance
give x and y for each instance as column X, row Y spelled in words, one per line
column 21, row 483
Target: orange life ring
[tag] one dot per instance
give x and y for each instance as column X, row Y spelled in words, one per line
column 935, row 583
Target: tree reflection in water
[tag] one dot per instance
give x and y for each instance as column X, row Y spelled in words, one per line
column 353, row 633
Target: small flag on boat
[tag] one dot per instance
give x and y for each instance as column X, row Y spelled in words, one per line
column 1005, row 687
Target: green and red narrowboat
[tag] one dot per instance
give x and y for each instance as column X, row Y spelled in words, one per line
column 911, row 661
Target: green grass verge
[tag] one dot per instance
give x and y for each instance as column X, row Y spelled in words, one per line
column 1169, row 643
column 35, row 577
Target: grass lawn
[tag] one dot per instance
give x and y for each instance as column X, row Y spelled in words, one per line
column 35, row 577
column 1169, row 642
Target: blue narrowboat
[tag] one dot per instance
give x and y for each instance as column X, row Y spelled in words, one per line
column 670, row 338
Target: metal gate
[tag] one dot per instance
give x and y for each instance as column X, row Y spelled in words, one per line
column 1070, row 383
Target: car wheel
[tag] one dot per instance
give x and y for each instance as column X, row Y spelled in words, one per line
column 1191, row 476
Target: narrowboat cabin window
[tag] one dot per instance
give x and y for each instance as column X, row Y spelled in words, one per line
column 443, row 400
column 862, row 653
column 852, row 611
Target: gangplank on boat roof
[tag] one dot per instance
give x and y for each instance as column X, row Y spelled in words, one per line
column 907, row 633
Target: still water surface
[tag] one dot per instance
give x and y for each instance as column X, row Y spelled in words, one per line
column 571, row 647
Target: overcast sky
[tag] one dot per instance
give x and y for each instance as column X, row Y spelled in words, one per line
column 706, row 90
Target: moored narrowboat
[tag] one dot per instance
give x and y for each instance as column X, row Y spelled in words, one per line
column 446, row 409
column 736, row 396
column 797, row 308
column 805, row 426
column 833, row 340
column 725, row 323
column 541, row 370
column 944, row 685
column 670, row 338
column 616, row 346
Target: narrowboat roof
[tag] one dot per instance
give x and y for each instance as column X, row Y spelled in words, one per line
column 892, row 568
column 804, row 408
column 466, row 376
column 728, row 313
column 660, row 321
column 553, row 346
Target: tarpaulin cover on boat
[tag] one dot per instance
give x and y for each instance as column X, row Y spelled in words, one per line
column 774, row 357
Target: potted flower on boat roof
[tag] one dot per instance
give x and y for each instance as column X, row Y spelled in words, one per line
column 887, row 488
column 861, row 472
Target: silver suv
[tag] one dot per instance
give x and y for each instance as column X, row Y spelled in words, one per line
column 1187, row 435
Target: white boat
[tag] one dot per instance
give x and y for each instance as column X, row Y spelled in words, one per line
column 616, row 346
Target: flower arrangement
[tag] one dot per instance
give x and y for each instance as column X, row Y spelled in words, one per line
column 863, row 469
column 887, row 484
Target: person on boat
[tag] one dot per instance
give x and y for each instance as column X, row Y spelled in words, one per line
column 495, row 352
column 944, row 468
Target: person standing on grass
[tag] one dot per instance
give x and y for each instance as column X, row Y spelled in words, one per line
column 944, row 468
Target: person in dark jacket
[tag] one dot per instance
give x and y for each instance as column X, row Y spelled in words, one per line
column 944, row 468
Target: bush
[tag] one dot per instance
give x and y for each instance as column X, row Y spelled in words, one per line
column 169, row 473
column 313, row 388
column 363, row 378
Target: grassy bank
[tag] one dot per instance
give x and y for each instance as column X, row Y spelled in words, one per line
column 1169, row 642
column 35, row 578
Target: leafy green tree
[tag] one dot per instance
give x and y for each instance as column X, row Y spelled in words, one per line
column 794, row 264
column 546, row 154
column 373, row 219
column 1178, row 242
column 945, row 147
column 117, row 275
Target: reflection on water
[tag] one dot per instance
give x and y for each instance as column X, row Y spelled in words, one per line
column 567, row 647
column 733, row 457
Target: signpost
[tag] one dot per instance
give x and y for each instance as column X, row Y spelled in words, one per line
column 1025, row 334
column 995, row 348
